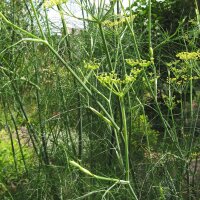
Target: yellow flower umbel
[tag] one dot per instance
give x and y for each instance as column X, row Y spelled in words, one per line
column 111, row 81
column 180, row 72
column 109, row 78
column 132, row 62
column 51, row 3
column 91, row 65
column 141, row 63
column 129, row 79
column 118, row 22
column 119, row 86
column 188, row 55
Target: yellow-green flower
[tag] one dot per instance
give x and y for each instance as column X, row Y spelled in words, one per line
column 91, row 65
column 51, row 3
column 174, row 63
column 109, row 78
column 132, row 62
column 141, row 63
column 144, row 63
column 129, row 79
column 135, row 71
column 118, row 22
column 188, row 55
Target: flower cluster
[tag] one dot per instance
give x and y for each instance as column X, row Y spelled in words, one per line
column 111, row 81
column 109, row 78
column 51, row 3
column 170, row 102
column 129, row 79
column 109, row 23
column 91, row 65
column 141, row 63
column 135, row 71
column 181, row 81
column 112, row 78
column 181, row 75
column 188, row 55
column 118, row 85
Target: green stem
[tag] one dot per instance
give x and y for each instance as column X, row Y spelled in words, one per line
column 122, row 105
column 191, row 92
column 166, row 125
column 197, row 13
column 38, row 21
column 118, row 150
column 151, row 51
column 45, row 156
column 10, row 134
column 36, row 39
column 65, row 30
column 105, row 46
column 82, row 84
column 149, row 25
column 132, row 33
column 17, row 27
column 47, row 23
column 19, row 142
column 86, row 171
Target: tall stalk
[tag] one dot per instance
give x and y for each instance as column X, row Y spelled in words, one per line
column 105, row 46
column 125, row 133
column 79, row 112
column 11, row 137
column 121, row 101
column 41, row 122
column 19, row 142
column 151, row 50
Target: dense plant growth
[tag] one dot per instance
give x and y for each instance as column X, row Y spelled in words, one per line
column 110, row 111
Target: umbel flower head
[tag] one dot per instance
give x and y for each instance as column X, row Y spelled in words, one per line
column 112, row 77
column 119, row 22
column 188, row 55
column 141, row 63
column 109, row 78
column 51, row 3
column 119, row 85
column 91, row 65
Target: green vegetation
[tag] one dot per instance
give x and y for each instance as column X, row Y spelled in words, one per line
column 107, row 112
